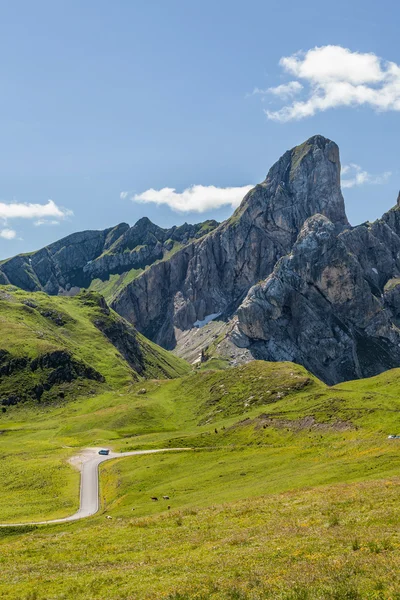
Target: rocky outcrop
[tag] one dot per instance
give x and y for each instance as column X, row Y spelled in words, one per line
column 142, row 245
column 318, row 309
column 51, row 369
column 73, row 262
column 213, row 275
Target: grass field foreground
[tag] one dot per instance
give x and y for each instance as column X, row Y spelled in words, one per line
column 290, row 491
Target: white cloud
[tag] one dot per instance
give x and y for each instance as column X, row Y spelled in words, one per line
column 197, row 198
column 286, row 90
column 46, row 222
column 334, row 63
column 16, row 210
column 338, row 77
column 8, row 234
column 358, row 176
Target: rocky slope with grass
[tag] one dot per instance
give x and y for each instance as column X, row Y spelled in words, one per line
column 56, row 349
column 80, row 259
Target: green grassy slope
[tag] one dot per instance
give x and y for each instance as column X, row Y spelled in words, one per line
column 53, row 348
column 291, row 491
column 115, row 282
column 261, row 418
column 337, row 542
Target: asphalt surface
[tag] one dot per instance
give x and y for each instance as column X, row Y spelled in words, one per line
column 88, row 462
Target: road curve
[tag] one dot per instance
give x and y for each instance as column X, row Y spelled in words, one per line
column 88, row 463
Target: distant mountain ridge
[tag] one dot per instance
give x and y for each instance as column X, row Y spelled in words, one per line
column 286, row 278
column 62, row 268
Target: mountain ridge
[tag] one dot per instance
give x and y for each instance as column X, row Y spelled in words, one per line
column 214, row 291
column 302, row 185
column 74, row 262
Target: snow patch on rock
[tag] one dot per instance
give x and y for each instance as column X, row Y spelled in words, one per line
column 206, row 320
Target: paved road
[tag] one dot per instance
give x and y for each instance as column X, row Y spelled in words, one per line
column 88, row 462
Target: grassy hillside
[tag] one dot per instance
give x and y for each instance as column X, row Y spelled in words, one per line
column 337, row 542
column 291, row 490
column 55, row 348
column 114, row 283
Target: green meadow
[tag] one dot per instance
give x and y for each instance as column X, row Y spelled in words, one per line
column 288, row 489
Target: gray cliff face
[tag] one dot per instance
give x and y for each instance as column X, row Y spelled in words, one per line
column 142, row 245
column 59, row 267
column 288, row 275
column 213, row 275
column 318, row 308
column 73, row 262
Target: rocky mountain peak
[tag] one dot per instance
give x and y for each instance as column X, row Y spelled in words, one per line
column 305, row 181
column 309, row 174
column 326, row 305
column 212, row 276
column 144, row 223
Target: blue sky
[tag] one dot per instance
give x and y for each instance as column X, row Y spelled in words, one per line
column 100, row 98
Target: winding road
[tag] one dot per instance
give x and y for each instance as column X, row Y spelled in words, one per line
column 88, row 462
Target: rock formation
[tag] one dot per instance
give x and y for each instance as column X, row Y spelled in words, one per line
column 318, row 309
column 289, row 276
column 285, row 278
column 73, row 262
column 213, row 275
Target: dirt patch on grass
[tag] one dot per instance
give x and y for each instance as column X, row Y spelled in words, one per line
column 308, row 422
column 305, row 423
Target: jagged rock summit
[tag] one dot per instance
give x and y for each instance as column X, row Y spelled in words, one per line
column 76, row 261
column 285, row 278
column 212, row 276
column 303, row 182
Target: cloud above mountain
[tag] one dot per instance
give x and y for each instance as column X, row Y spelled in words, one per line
column 8, row 234
column 353, row 175
column 197, row 198
column 20, row 210
column 45, row 214
column 332, row 76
